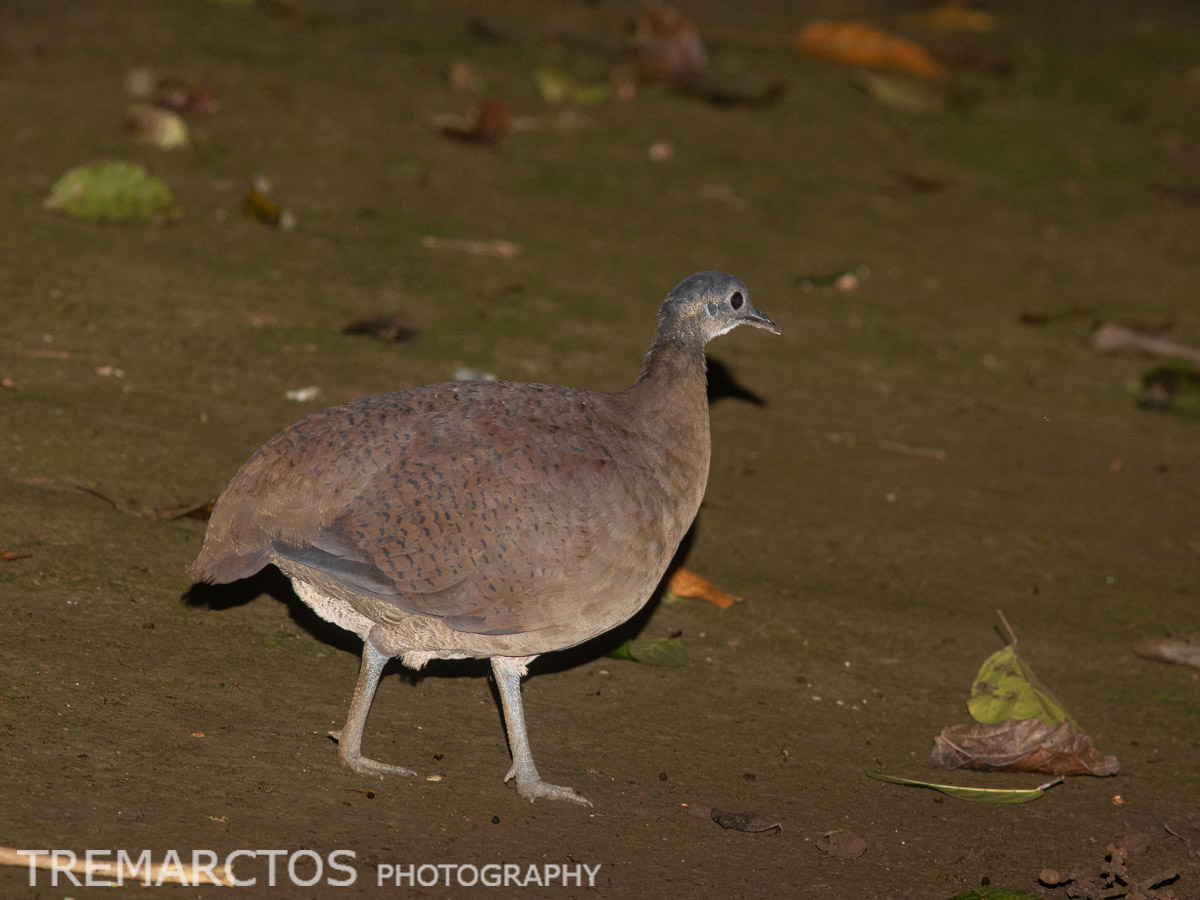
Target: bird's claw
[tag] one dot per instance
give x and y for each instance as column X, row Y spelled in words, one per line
column 533, row 790
column 369, row 768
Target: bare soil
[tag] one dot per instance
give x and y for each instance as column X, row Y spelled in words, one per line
column 920, row 459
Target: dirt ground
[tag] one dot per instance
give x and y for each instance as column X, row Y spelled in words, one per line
column 920, row 458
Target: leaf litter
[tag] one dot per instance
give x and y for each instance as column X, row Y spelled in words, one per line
column 1183, row 651
column 392, row 328
column 1111, row 878
column 749, row 822
column 687, row 585
column 116, row 191
column 667, row 652
column 1018, row 726
column 982, row 795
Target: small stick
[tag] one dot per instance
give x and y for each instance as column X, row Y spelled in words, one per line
column 1012, row 637
column 155, row 873
column 503, row 249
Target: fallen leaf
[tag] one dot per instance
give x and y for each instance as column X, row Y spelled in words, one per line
column 1117, row 337
column 304, row 394
column 685, row 585
column 557, row 86
column 164, row 128
column 668, row 651
column 858, row 44
column 257, row 204
column 904, row 94
column 746, row 821
column 1006, row 688
column 844, row 280
column 112, row 192
column 665, row 47
column 841, row 844
column 10, row 556
column 502, row 249
column 1184, row 651
column 1171, row 389
column 390, row 327
column 486, row 125
column 980, row 795
column 466, row 373
column 1021, row 746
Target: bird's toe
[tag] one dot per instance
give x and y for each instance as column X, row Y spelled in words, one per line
column 373, row 768
column 533, row 790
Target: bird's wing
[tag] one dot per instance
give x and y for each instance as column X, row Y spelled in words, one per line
column 482, row 508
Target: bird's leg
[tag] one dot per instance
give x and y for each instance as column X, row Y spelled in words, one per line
column 508, row 671
column 350, row 738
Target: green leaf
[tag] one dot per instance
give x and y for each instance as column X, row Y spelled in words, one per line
column 668, row 651
column 556, row 86
column 979, row 795
column 996, row 894
column 1006, row 688
column 114, row 192
column 903, row 94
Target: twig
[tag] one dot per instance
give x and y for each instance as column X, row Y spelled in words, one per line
column 502, row 249
column 122, row 870
column 1012, row 636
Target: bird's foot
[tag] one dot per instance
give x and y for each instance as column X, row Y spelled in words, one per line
column 373, row 768
column 367, row 767
column 532, row 789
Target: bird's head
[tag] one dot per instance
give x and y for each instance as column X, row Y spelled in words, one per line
column 708, row 304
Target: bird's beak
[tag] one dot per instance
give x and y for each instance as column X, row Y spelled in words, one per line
column 752, row 316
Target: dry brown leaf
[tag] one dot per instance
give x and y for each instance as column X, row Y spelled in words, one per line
column 746, row 821
column 693, row 587
column 857, row 44
column 841, row 844
column 1025, row 745
column 10, row 556
column 1116, row 337
column 390, row 327
column 1185, row 650
column 665, row 46
column 487, row 124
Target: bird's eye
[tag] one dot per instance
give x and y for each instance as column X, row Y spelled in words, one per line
column 736, row 299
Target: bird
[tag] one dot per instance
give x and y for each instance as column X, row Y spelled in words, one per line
column 490, row 520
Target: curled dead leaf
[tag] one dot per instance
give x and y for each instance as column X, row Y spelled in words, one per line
column 841, row 844
column 1026, row 745
column 392, row 328
column 665, row 47
column 1184, row 651
column 746, row 821
column 858, row 44
column 486, row 125
column 690, row 586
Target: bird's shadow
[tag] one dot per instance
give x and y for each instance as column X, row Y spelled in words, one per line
column 722, row 385
column 273, row 583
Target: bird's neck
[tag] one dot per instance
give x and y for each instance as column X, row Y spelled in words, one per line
column 670, row 392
